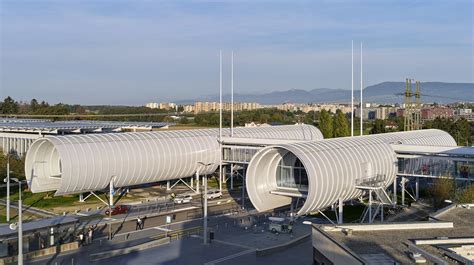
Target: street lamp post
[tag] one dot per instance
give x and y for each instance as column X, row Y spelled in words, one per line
column 205, row 202
column 20, row 225
column 7, row 180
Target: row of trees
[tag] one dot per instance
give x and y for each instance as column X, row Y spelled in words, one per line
column 335, row 125
column 461, row 130
column 10, row 106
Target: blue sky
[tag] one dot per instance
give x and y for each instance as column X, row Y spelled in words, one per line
column 133, row 52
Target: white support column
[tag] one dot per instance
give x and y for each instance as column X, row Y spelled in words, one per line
column 8, row 188
column 224, row 170
column 111, row 192
column 394, row 192
column 205, row 209
column 192, row 182
column 81, row 197
column 381, row 213
column 168, row 185
column 231, row 176
column 197, row 181
column 417, row 188
column 370, row 206
column 341, row 206
column 403, row 190
column 243, row 189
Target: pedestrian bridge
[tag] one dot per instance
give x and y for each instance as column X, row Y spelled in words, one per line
column 435, row 161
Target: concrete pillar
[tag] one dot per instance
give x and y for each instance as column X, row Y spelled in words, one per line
column 192, row 182
column 168, row 185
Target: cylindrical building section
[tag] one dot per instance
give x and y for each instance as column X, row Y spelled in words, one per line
column 79, row 163
column 326, row 171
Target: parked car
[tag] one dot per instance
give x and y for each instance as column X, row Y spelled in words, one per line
column 213, row 194
column 280, row 228
column 118, row 209
column 183, row 198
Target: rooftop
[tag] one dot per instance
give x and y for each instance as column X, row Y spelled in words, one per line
column 392, row 243
column 79, row 126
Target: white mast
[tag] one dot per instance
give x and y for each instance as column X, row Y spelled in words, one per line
column 352, row 91
column 220, row 121
column 232, row 96
column 361, row 99
column 220, row 95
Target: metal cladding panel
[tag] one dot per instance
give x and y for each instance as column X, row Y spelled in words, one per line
column 332, row 166
column 79, row 163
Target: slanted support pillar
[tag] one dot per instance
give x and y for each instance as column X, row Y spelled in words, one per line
column 340, row 208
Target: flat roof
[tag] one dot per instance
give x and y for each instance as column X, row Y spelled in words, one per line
column 391, row 243
column 6, row 232
column 79, row 126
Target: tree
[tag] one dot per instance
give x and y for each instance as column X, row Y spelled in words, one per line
column 34, row 105
column 441, row 190
column 341, row 125
column 9, row 106
column 462, row 132
column 378, row 127
column 326, row 124
column 467, row 194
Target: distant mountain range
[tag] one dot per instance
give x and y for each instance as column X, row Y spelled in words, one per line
column 385, row 92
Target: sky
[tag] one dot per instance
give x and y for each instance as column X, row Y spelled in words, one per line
column 134, row 52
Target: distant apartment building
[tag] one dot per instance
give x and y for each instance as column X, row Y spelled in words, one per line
column 226, row 106
column 436, row 112
column 162, row 105
column 152, row 105
column 188, row 108
column 383, row 113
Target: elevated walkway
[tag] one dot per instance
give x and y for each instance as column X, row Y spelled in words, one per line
column 435, row 161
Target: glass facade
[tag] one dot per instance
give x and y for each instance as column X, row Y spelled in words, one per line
column 436, row 167
column 291, row 173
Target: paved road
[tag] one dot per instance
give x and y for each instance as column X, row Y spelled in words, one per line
column 234, row 245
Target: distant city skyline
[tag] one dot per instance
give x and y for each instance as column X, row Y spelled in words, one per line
column 131, row 53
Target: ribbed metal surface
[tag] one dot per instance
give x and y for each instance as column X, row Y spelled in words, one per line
column 332, row 166
column 72, row 164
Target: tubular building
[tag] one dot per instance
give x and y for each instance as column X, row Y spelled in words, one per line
column 81, row 163
column 324, row 172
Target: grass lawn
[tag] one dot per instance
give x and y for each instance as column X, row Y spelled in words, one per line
column 46, row 200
